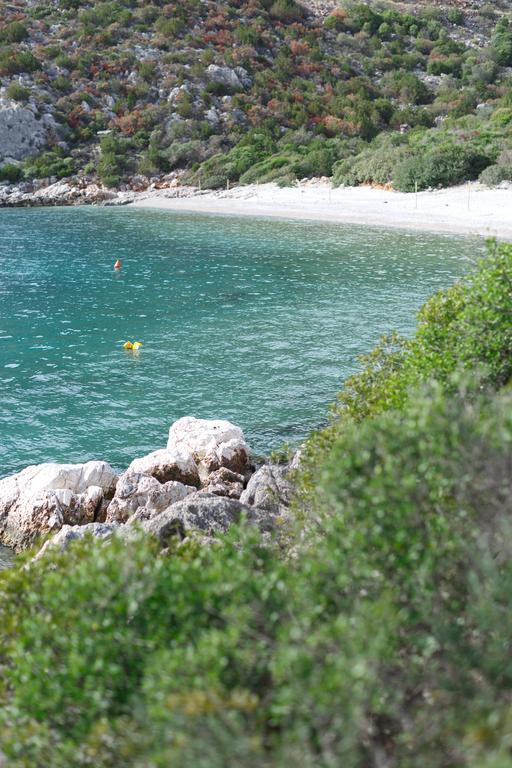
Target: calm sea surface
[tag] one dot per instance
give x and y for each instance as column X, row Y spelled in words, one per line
column 256, row 321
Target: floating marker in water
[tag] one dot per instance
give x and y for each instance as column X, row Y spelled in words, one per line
column 127, row 345
column 117, row 265
column 137, row 344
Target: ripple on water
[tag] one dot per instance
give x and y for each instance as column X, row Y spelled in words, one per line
column 258, row 322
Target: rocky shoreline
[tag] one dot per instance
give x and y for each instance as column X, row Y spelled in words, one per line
column 200, row 484
column 83, row 191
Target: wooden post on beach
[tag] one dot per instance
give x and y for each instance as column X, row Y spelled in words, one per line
column 415, row 194
column 469, row 195
column 227, row 185
column 199, row 183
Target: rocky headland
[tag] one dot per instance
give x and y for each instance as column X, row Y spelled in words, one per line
column 201, row 483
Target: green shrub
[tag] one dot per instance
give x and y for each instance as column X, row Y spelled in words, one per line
column 53, row 163
column 286, row 10
column 14, row 62
column 112, row 160
column 10, row 172
column 18, row 92
column 495, row 174
column 14, row 32
column 439, row 167
column 501, row 43
column 406, row 87
column 374, row 165
column 237, row 655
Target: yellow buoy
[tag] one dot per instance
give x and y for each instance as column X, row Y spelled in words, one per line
column 137, row 344
column 127, row 345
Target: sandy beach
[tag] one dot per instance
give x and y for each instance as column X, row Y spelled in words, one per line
column 469, row 209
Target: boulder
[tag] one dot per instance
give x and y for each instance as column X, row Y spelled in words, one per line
column 203, row 512
column 143, row 495
column 225, row 76
column 70, row 533
column 269, row 488
column 224, row 482
column 167, row 465
column 21, row 132
column 44, row 497
column 211, row 443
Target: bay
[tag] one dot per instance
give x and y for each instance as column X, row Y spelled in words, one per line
column 255, row 320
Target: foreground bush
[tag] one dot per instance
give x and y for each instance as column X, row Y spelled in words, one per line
column 385, row 634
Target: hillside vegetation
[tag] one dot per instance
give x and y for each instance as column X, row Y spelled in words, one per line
column 375, row 634
column 260, row 90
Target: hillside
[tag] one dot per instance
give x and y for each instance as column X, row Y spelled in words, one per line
column 215, row 92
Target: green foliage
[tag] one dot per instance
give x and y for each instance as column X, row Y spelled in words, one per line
column 502, row 43
column 112, row 161
column 441, row 166
column 48, row 164
column 10, row 172
column 13, row 62
column 18, row 92
column 14, row 32
column 237, row 655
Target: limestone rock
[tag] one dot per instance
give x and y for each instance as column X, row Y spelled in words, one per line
column 144, row 496
column 21, row 132
column 224, row 482
column 167, row 465
column 205, row 512
column 44, row 497
column 70, row 533
column 231, row 78
column 211, row 443
column 269, row 488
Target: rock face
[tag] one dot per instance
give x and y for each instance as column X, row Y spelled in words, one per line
column 144, row 496
column 269, row 489
column 158, row 493
column 237, row 79
column 167, row 465
column 211, row 443
column 224, row 482
column 70, row 533
column 21, row 133
column 205, row 512
column 44, row 497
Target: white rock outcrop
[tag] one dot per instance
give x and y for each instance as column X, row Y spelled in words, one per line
column 167, row 465
column 237, row 79
column 211, row 443
column 44, row 497
column 21, row 132
column 144, row 496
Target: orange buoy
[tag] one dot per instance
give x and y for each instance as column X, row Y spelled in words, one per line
column 117, row 265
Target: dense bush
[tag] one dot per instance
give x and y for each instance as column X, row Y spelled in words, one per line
column 48, row 164
column 388, row 629
column 112, row 160
column 440, row 167
column 10, row 172
column 502, row 43
column 14, row 32
column 17, row 92
column 13, row 62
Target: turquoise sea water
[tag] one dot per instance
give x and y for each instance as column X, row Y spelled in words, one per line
column 258, row 321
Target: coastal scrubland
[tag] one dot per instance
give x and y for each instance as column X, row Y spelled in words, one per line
column 374, row 631
column 413, row 95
